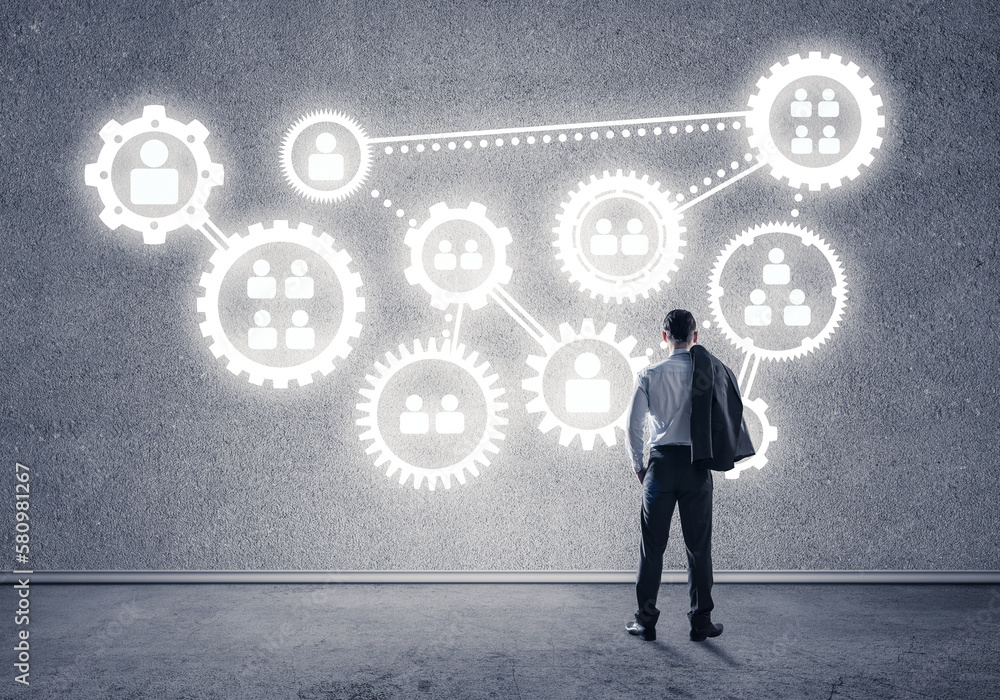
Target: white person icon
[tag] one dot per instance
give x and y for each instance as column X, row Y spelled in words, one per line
column 154, row 184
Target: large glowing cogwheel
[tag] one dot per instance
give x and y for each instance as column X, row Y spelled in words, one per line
column 154, row 120
column 444, row 218
column 761, row 134
column 839, row 291
column 375, row 434
column 542, row 404
column 321, row 359
column 645, row 268
column 769, row 434
column 350, row 173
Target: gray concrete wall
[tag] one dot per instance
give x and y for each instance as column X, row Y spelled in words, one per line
column 145, row 452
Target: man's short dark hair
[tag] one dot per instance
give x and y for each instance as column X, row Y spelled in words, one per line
column 679, row 325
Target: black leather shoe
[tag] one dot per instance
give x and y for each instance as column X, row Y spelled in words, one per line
column 646, row 633
column 700, row 634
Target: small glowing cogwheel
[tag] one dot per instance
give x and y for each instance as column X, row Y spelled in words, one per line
column 666, row 241
column 323, row 361
column 423, row 475
column 353, row 184
column 782, row 75
column 154, row 120
column 839, row 291
column 769, row 434
column 539, row 363
column 475, row 214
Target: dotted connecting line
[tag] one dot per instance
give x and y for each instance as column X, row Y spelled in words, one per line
column 562, row 137
column 721, row 174
column 387, row 203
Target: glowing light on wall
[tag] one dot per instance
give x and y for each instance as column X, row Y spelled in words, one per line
column 283, row 304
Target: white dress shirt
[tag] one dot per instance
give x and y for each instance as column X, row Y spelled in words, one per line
column 663, row 395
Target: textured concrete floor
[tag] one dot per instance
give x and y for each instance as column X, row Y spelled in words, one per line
column 362, row 642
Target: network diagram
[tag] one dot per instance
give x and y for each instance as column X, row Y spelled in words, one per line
column 282, row 303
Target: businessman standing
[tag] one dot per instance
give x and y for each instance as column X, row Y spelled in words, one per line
column 695, row 415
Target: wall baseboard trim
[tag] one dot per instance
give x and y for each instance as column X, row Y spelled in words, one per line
column 408, row 577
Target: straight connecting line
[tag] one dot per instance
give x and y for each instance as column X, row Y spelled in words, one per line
column 522, row 317
column 214, row 235
column 721, row 186
column 556, row 127
column 745, row 388
column 458, row 325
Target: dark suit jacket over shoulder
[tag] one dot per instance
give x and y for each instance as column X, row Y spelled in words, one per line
column 719, row 436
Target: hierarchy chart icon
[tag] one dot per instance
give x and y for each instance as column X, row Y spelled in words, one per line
column 282, row 305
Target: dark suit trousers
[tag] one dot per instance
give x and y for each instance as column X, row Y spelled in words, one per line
column 672, row 479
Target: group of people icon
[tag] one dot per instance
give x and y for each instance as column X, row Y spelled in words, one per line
column 298, row 337
column 448, row 421
column 299, row 285
column 588, row 394
column 446, row 260
column 777, row 274
column 154, row 184
column 324, row 164
column 605, row 242
column 827, row 108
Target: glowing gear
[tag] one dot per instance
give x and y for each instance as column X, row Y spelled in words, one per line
column 353, row 184
column 758, row 121
column 769, row 434
column 540, row 404
column 475, row 214
column 427, row 475
column 839, row 291
column 666, row 239
column 323, row 361
column 154, row 120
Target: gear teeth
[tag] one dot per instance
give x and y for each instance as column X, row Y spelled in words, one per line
column 154, row 237
column 110, row 219
column 769, row 434
column 609, row 437
column 197, row 130
column 110, row 130
column 536, row 362
column 566, row 436
column 548, row 424
column 420, row 475
column 91, row 174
